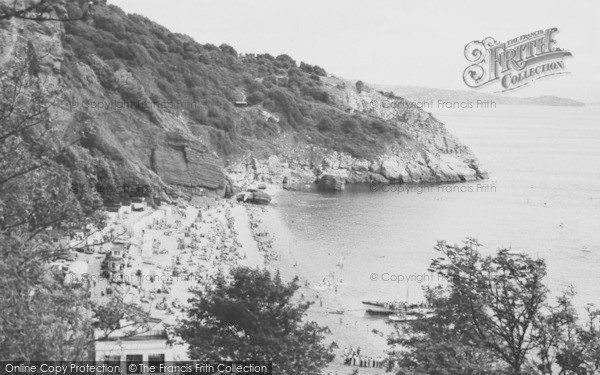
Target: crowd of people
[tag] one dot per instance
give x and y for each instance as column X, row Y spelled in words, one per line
column 264, row 239
column 353, row 357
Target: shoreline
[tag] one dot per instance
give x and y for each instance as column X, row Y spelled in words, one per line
column 346, row 330
column 201, row 240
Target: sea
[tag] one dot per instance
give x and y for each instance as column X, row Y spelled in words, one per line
column 542, row 198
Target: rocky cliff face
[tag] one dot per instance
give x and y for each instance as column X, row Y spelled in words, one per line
column 133, row 149
column 428, row 154
column 123, row 125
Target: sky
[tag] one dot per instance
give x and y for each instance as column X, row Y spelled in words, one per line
column 395, row 42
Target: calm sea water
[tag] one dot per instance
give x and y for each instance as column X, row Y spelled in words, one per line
column 544, row 165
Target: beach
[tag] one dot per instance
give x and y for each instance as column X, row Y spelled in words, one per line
column 347, row 330
column 181, row 246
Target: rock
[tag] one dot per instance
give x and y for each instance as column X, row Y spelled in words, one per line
column 244, row 197
column 390, row 169
column 188, row 167
column 331, row 182
column 227, row 190
column 256, row 197
column 377, row 178
column 260, row 197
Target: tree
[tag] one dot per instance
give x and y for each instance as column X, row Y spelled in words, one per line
column 42, row 317
column 325, row 125
column 502, row 296
column 41, row 10
column 360, row 86
column 556, row 333
column 493, row 317
column 576, row 349
column 250, row 315
column 444, row 344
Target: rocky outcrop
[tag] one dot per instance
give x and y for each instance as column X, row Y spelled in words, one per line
column 429, row 154
column 149, row 143
column 260, row 197
column 255, row 197
column 188, row 167
column 137, row 146
column 300, row 168
column 331, row 183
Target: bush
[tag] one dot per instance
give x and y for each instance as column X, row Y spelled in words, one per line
column 284, row 103
column 285, row 62
column 350, row 126
column 256, row 98
column 316, row 93
column 313, row 70
column 123, row 51
column 222, row 141
column 379, row 127
column 360, row 86
column 199, row 115
column 325, row 125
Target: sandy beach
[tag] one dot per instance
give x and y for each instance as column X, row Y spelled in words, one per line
column 185, row 244
column 347, row 330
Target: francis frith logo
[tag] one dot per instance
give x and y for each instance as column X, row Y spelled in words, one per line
column 515, row 63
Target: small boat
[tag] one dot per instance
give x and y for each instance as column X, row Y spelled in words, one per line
column 398, row 318
column 379, row 312
column 409, row 317
column 393, row 307
column 339, row 312
column 374, row 303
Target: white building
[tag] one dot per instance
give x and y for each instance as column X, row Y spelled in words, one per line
column 151, row 347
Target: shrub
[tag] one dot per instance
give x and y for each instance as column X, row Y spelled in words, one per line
column 198, row 114
column 256, row 98
column 325, row 125
column 350, row 126
column 360, row 86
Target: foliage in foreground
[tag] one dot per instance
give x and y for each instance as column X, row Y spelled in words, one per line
column 493, row 317
column 250, row 315
column 41, row 318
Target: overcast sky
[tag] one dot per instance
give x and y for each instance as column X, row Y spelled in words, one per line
column 417, row 43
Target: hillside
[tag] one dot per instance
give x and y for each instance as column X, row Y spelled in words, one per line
column 144, row 107
column 424, row 94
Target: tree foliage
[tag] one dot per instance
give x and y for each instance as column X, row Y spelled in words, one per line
column 42, row 318
column 360, row 86
column 42, row 10
column 174, row 68
column 251, row 315
column 493, row 317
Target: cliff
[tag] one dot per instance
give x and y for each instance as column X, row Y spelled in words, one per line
column 422, row 151
column 144, row 107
